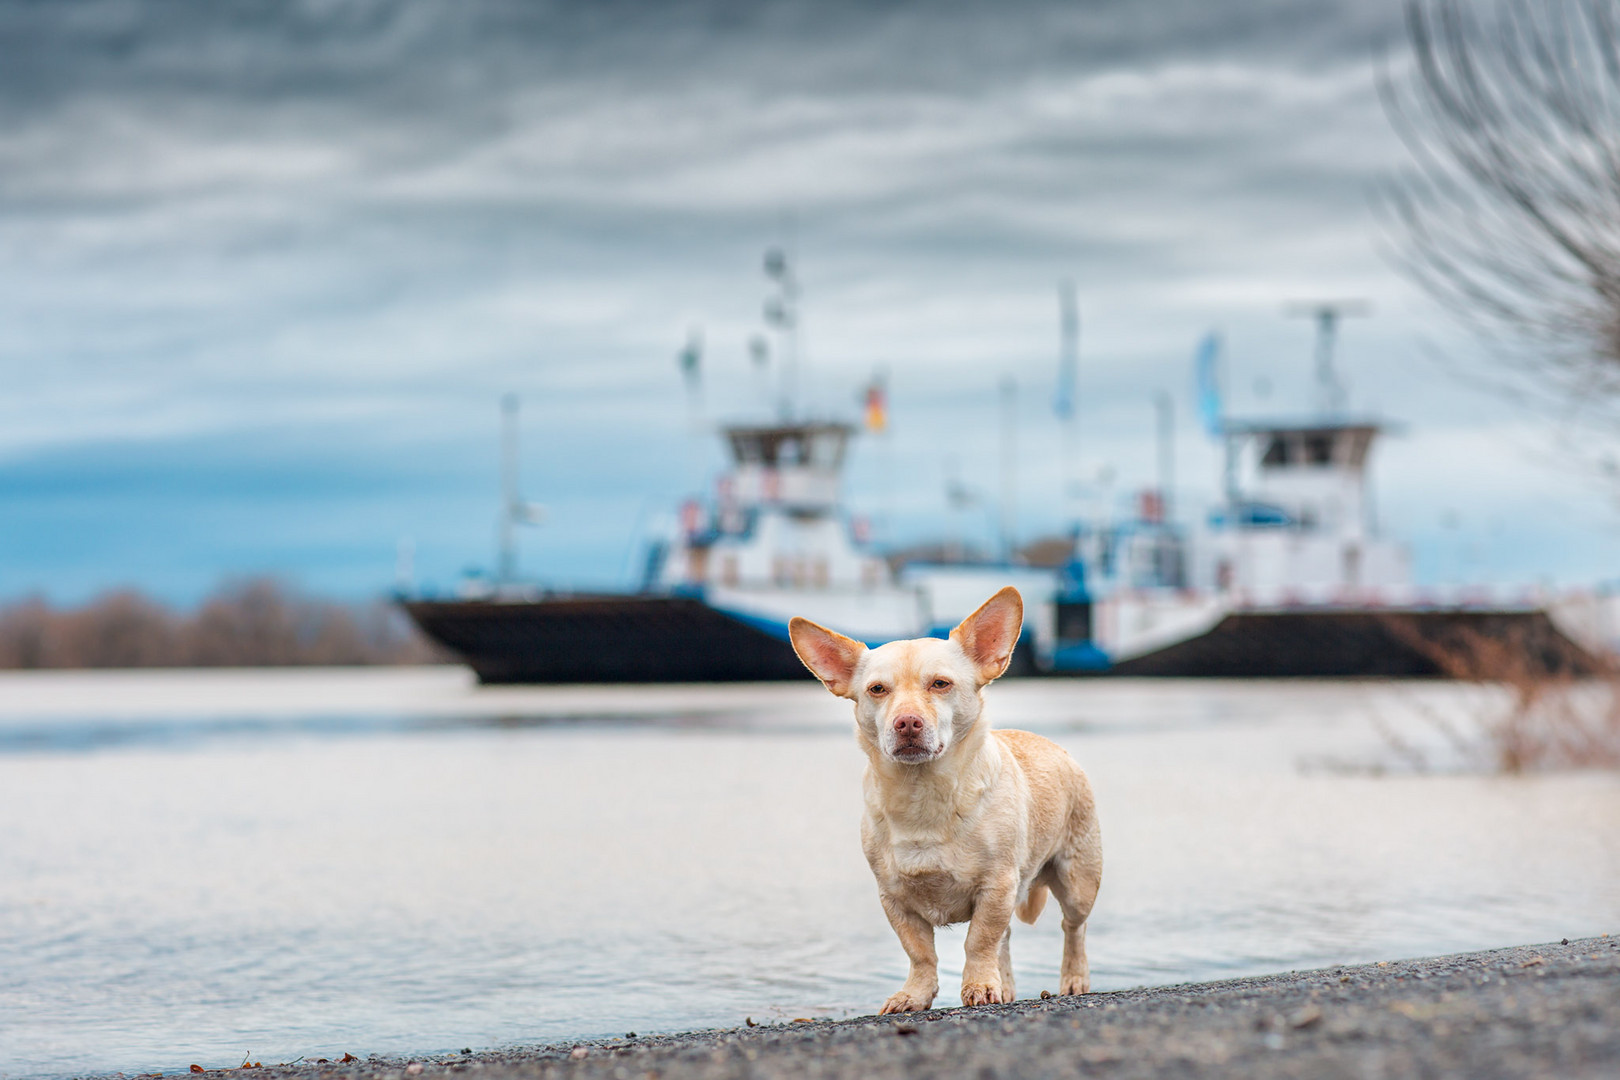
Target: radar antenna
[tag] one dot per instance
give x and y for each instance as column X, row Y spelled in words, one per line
column 1330, row 391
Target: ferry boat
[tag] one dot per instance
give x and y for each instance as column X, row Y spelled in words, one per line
column 1288, row 577
column 1290, row 574
column 717, row 597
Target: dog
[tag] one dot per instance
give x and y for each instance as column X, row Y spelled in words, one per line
column 962, row 823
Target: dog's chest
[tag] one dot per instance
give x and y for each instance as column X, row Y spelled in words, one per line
column 932, row 850
column 937, row 880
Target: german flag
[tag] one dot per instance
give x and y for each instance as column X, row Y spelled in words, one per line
column 877, row 406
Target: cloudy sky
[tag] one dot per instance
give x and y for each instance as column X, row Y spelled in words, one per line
column 266, row 268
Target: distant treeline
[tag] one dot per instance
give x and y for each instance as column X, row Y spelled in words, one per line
column 255, row 623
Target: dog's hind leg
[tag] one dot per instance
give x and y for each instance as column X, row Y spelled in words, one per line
column 1075, row 886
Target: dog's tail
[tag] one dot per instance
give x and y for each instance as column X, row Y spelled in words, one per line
column 1030, row 909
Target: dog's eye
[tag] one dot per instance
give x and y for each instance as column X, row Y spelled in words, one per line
column 942, row 684
column 877, row 689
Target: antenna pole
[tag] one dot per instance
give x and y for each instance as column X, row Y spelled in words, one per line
column 1009, row 466
column 1167, row 449
column 509, row 489
column 1068, row 392
column 1229, row 471
column 405, row 566
column 691, row 364
column 790, row 290
column 782, row 313
column 955, row 504
column 1327, row 324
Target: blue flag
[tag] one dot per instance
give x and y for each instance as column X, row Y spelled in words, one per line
column 691, row 359
column 1207, row 374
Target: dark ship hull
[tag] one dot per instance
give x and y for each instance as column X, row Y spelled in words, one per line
column 650, row 639
column 1459, row 644
column 604, row 639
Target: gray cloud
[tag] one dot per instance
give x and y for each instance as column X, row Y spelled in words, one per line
column 370, row 217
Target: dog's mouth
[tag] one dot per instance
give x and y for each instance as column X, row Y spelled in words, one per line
column 914, row 755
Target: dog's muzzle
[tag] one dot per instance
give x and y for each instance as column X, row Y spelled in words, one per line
column 912, row 742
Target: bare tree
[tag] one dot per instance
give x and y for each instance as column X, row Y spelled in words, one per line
column 256, row 622
column 1509, row 214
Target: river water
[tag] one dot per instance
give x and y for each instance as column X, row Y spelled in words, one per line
column 199, row 867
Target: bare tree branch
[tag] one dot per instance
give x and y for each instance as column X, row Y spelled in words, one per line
column 1509, row 213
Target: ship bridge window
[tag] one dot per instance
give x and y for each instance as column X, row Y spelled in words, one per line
column 1276, row 453
column 1282, row 451
column 1319, row 449
column 789, row 449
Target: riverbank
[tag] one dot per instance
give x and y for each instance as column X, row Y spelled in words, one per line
column 1532, row 1011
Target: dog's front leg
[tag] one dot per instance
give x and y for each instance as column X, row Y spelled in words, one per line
column 992, row 915
column 916, row 936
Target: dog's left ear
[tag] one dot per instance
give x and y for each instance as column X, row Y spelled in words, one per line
column 989, row 634
column 831, row 657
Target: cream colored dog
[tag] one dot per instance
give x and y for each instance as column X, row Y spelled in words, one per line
column 962, row 823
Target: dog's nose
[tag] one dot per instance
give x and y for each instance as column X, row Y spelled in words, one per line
column 902, row 724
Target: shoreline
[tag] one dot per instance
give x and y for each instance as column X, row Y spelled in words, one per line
column 1533, row 1010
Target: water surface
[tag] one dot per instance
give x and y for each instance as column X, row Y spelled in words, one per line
column 198, row 867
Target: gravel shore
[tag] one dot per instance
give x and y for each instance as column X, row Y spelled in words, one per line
column 1534, row 1011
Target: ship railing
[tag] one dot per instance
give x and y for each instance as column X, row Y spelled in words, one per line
column 1474, row 597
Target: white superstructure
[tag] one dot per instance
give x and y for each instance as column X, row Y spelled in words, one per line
column 1297, row 525
column 776, row 522
column 1296, row 529
column 776, row 543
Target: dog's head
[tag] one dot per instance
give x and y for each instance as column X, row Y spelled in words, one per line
column 916, row 699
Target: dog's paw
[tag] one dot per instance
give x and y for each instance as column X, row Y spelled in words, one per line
column 1074, row 984
column 983, row 994
column 904, row 1002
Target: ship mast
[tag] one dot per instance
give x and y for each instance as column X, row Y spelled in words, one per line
column 1009, row 468
column 1067, row 404
column 1330, row 392
column 1164, row 410
column 514, row 510
column 782, row 315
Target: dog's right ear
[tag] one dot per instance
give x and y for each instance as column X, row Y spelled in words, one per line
column 830, row 657
column 989, row 635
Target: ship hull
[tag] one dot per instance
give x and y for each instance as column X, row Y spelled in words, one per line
column 1415, row 643
column 654, row 639
column 604, row 638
